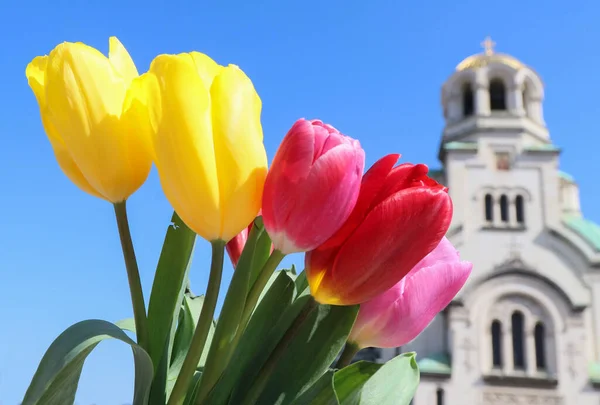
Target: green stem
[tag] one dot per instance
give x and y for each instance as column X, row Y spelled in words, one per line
column 267, row 370
column 258, row 287
column 133, row 275
column 251, row 300
column 348, row 354
column 206, row 318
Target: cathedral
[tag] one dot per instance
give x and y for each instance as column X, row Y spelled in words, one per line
column 523, row 330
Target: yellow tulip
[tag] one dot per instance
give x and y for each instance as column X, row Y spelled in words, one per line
column 207, row 142
column 95, row 117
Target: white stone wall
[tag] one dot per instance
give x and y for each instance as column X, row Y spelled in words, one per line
column 539, row 268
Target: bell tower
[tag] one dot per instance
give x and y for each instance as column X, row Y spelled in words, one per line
column 499, row 162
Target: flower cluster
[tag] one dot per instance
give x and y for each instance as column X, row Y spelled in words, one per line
column 374, row 239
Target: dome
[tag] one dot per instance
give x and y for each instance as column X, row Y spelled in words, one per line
column 481, row 60
column 488, row 57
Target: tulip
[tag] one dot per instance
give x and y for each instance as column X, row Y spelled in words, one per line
column 400, row 216
column 207, row 142
column 236, row 245
column 94, row 114
column 312, row 186
column 400, row 314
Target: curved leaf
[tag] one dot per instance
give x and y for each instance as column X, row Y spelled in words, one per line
column 56, row 379
column 348, row 382
column 395, row 383
column 169, row 285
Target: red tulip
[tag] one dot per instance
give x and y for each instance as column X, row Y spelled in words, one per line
column 312, row 186
column 397, row 316
column 236, row 245
column 400, row 216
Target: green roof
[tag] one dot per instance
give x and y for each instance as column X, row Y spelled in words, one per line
column 460, row 146
column 542, row 148
column 566, row 176
column 588, row 230
column 435, row 364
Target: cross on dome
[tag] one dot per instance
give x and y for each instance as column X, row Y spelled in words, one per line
column 488, row 46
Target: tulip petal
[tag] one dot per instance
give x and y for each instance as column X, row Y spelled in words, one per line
column 415, row 221
column 85, row 99
column 424, row 294
column 206, row 67
column 334, row 194
column 121, row 60
column 36, row 75
column 136, row 132
column 36, row 72
column 241, row 158
column 292, row 164
column 372, row 182
column 183, row 143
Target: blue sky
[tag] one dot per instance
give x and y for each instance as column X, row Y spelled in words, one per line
column 372, row 68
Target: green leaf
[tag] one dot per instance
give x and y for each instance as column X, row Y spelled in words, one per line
column 253, row 257
column 260, row 252
column 260, row 337
column 168, row 287
column 320, row 393
column 188, row 319
column 309, row 354
column 189, row 398
column 395, row 383
column 127, row 324
column 348, row 382
column 56, row 379
column 301, row 282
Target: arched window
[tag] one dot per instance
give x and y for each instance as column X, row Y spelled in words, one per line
column 520, row 209
column 518, row 338
column 489, row 208
column 540, row 348
column 439, row 394
column 467, row 100
column 504, row 208
column 497, row 344
column 497, row 95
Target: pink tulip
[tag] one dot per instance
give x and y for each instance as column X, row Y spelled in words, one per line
column 397, row 316
column 312, row 186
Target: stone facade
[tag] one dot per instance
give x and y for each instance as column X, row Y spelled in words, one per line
column 524, row 329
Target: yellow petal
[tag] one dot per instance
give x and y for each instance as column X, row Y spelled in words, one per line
column 240, row 153
column 65, row 162
column 120, row 59
column 35, row 72
column 206, row 67
column 183, row 145
column 85, row 97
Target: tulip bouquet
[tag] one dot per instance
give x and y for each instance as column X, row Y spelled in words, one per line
column 377, row 265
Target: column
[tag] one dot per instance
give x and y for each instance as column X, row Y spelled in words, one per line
column 530, row 366
column 482, row 100
column 497, row 220
column 512, row 211
column 508, row 364
column 534, row 109
column 515, row 101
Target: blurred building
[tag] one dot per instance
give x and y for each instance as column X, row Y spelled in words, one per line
column 525, row 329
